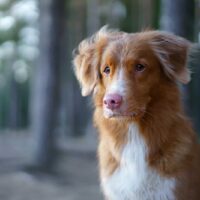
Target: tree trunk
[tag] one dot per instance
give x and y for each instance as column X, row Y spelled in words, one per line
column 178, row 17
column 46, row 84
column 194, row 88
column 93, row 16
column 14, row 117
column 77, row 111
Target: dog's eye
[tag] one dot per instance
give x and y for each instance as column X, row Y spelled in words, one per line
column 139, row 67
column 107, row 70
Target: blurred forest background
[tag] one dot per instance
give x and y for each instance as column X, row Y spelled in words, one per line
column 46, row 126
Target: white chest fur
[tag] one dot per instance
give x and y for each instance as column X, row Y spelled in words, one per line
column 133, row 179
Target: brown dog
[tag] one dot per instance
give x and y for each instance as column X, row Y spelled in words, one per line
column 147, row 149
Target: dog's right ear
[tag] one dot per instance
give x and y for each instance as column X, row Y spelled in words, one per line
column 87, row 58
column 172, row 51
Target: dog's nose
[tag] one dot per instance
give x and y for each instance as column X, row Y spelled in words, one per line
column 112, row 101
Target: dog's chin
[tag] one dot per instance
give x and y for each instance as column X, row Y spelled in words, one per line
column 109, row 114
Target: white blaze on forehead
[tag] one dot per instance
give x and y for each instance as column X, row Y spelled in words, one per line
column 118, row 85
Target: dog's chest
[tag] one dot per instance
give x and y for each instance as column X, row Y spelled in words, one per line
column 133, row 179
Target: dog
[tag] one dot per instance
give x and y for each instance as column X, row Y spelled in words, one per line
column 147, row 147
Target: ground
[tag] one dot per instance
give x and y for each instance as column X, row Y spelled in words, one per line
column 75, row 177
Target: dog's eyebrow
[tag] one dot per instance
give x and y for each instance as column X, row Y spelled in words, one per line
column 111, row 57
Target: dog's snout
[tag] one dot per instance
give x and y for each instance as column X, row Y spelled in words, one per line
column 112, row 101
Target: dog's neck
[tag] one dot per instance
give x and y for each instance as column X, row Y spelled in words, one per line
column 133, row 179
column 164, row 129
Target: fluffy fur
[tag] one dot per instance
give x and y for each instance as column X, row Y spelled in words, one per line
column 147, row 147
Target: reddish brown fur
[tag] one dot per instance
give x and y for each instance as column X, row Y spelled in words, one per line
column 153, row 94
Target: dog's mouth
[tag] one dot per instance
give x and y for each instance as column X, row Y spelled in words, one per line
column 123, row 115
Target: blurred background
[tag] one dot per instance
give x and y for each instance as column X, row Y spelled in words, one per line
column 47, row 141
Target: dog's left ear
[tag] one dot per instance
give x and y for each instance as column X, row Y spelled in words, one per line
column 172, row 51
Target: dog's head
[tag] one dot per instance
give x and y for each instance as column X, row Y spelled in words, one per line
column 123, row 70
